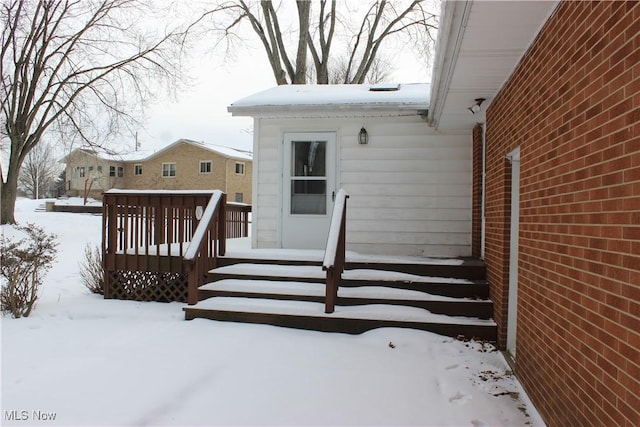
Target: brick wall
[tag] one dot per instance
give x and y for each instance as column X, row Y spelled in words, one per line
column 573, row 108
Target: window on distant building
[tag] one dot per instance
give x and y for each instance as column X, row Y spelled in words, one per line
column 90, row 168
column 168, row 170
column 99, row 169
column 239, row 168
column 120, row 171
column 137, row 169
column 112, row 171
column 238, row 197
column 81, row 171
column 205, row 166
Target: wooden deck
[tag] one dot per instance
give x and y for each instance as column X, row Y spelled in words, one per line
column 171, row 246
column 148, row 236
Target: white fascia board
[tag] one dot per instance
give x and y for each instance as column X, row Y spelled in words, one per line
column 453, row 20
column 324, row 110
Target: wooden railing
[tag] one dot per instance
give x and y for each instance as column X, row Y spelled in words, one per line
column 238, row 220
column 147, row 235
column 334, row 255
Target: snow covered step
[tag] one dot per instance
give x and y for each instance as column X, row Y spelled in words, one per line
column 347, row 319
column 464, row 268
column 446, row 286
column 347, row 296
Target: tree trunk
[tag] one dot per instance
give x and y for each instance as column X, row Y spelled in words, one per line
column 8, row 193
column 300, row 76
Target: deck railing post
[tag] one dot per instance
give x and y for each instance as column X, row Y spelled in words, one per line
column 334, row 255
column 222, row 226
column 331, row 291
column 109, row 247
column 192, row 282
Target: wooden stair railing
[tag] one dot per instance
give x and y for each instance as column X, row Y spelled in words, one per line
column 202, row 253
column 334, row 254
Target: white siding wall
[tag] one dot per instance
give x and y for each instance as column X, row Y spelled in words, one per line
column 410, row 189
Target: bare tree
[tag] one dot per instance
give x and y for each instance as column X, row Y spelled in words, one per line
column 320, row 31
column 380, row 71
column 39, row 171
column 74, row 68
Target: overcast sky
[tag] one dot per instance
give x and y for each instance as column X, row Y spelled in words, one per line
column 201, row 113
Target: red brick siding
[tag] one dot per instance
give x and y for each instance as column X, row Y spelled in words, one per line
column 573, row 108
column 476, row 214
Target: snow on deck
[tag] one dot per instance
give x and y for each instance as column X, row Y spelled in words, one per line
column 241, row 248
column 313, row 309
column 316, row 272
column 318, row 289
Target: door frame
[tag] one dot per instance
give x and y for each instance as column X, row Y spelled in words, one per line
column 512, row 305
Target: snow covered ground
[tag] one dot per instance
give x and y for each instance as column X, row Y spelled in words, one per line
column 82, row 360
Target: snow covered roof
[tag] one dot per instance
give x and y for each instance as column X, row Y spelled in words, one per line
column 141, row 155
column 218, row 149
column 109, row 155
column 293, row 98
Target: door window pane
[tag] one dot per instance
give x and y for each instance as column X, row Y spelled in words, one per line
column 308, row 158
column 308, row 178
column 308, row 197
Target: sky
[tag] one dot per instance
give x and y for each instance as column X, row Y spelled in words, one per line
column 200, row 113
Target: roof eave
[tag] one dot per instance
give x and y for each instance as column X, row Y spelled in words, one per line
column 453, row 18
column 262, row 110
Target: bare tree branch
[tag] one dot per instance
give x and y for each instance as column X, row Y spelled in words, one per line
column 326, row 33
column 75, row 68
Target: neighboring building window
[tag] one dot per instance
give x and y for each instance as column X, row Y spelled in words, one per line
column 168, row 170
column 112, row 171
column 99, row 169
column 90, row 168
column 205, row 166
column 238, row 197
column 81, row 171
column 120, row 171
column 137, row 169
column 239, row 168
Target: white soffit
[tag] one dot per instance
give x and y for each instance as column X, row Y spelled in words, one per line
column 491, row 38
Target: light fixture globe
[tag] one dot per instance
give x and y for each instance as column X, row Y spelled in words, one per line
column 363, row 136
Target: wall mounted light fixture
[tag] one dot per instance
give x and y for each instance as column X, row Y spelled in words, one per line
column 475, row 108
column 363, row 136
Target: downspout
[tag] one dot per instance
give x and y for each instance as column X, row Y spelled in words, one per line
column 483, row 190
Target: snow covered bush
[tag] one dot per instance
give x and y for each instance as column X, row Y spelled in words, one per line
column 23, row 264
column 91, row 269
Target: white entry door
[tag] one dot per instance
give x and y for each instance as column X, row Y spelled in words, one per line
column 308, row 186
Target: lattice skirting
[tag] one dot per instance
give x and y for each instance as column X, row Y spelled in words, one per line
column 147, row 286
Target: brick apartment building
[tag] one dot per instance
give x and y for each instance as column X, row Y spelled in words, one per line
column 182, row 165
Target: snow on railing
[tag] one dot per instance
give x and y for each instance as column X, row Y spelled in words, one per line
column 334, row 254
